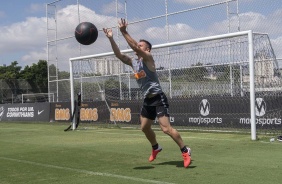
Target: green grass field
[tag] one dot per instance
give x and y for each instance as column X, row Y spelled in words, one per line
column 44, row 153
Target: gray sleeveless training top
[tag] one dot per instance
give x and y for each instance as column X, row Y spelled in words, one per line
column 147, row 80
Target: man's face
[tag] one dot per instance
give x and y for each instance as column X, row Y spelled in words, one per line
column 143, row 46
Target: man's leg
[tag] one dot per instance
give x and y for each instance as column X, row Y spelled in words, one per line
column 146, row 126
column 147, row 129
column 174, row 134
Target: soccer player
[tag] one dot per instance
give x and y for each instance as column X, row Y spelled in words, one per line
column 155, row 101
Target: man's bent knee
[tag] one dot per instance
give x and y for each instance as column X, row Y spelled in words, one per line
column 167, row 130
column 146, row 125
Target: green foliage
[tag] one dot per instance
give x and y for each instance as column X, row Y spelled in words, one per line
column 111, row 84
column 195, row 73
column 35, row 75
column 54, row 71
column 114, row 84
column 10, row 72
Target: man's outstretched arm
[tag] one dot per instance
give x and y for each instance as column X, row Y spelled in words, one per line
column 124, row 58
column 131, row 42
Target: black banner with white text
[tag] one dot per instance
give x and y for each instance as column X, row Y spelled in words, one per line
column 223, row 112
column 25, row 112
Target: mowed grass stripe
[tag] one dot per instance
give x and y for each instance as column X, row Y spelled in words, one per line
column 85, row 171
column 217, row 157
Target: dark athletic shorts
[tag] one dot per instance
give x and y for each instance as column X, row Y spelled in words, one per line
column 156, row 106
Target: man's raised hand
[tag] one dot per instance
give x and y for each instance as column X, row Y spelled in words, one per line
column 108, row 32
column 122, row 25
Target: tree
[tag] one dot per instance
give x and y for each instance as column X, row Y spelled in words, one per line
column 15, row 81
column 37, row 76
column 112, row 88
column 10, row 74
column 54, row 71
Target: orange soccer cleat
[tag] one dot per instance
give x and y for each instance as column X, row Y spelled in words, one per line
column 153, row 156
column 187, row 158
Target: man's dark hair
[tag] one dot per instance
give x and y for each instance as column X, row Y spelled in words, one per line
column 147, row 42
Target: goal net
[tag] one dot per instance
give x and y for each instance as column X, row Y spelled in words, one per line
column 37, row 97
column 218, row 83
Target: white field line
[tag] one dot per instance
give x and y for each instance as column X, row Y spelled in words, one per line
column 22, row 129
column 85, row 171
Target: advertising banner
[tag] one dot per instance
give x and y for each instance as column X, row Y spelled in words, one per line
column 89, row 111
column 25, row 112
column 220, row 112
column 60, row 112
column 230, row 112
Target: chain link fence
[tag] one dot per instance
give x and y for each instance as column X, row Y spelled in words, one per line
column 63, row 16
column 217, row 70
column 200, row 78
column 21, row 91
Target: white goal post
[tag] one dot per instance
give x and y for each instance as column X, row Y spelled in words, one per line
column 230, row 57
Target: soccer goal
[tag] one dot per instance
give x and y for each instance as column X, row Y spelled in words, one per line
column 37, row 97
column 210, row 82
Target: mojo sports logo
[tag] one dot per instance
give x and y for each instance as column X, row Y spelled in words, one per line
column 260, row 109
column 204, row 109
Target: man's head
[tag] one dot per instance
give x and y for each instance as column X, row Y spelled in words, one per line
column 145, row 45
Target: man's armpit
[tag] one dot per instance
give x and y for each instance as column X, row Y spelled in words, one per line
column 126, row 60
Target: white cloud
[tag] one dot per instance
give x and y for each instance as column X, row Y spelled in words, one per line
column 30, row 56
column 205, row 2
column 257, row 22
column 276, row 44
column 23, row 36
column 29, row 36
column 269, row 24
column 67, row 20
column 110, row 8
column 34, row 8
column 177, row 31
column 198, row 2
column 66, row 24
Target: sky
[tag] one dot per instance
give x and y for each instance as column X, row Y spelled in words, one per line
column 17, row 19
column 23, row 24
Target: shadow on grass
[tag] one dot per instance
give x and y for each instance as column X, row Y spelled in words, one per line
column 144, row 167
column 176, row 163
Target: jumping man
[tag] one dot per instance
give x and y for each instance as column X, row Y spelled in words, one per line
column 155, row 101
